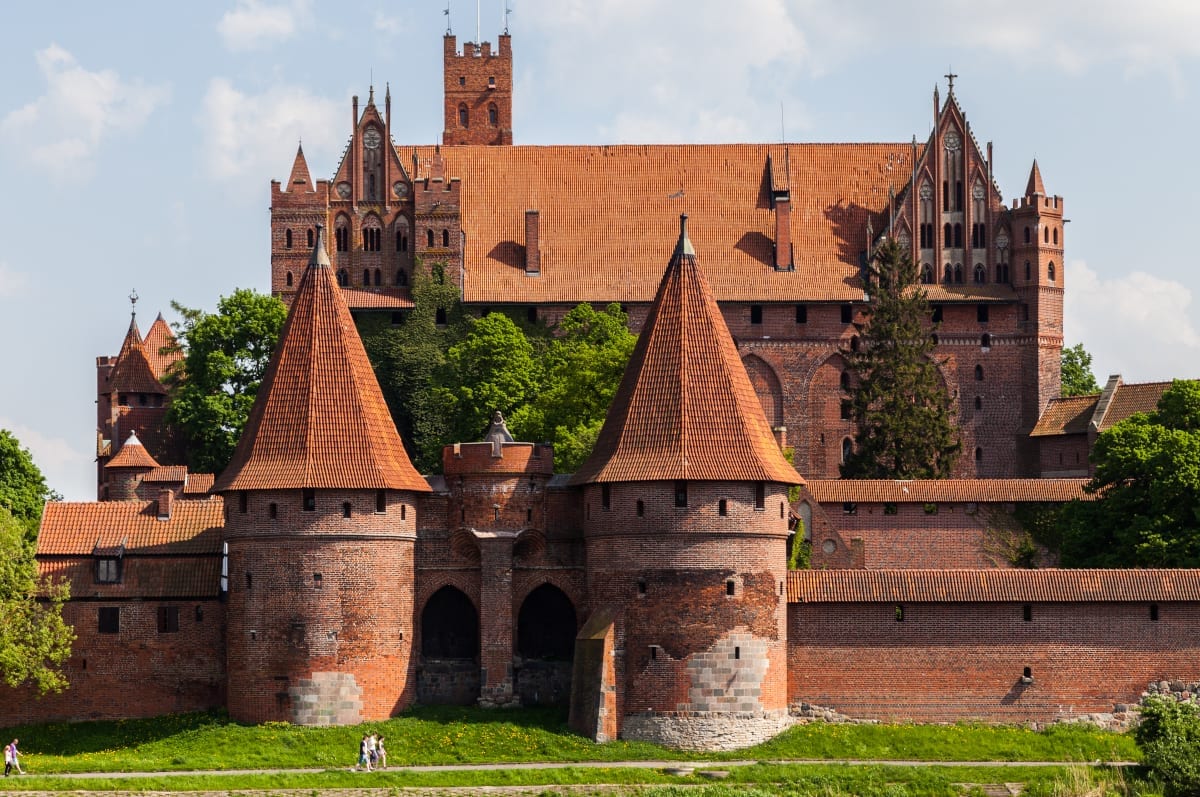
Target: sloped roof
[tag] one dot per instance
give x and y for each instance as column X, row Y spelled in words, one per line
column 594, row 201
column 166, row 474
column 78, row 528
column 1131, row 399
column 141, row 577
column 991, row 585
column 1067, row 415
column 1035, row 186
column 133, row 372
column 300, row 179
column 132, row 455
column 685, row 408
column 199, row 483
column 378, row 299
column 946, row 490
column 320, row 419
column 158, row 338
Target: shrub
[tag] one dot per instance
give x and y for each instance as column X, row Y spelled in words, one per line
column 1169, row 736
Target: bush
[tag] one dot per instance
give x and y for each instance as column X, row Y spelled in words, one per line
column 1169, row 736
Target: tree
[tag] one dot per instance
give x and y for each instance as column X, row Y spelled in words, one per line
column 902, row 410
column 23, row 490
column 1169, row 735
column 1077, row 376
column 34, row 640
column 225, row 357
column 1147, row 487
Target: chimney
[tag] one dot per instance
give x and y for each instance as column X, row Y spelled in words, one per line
column 165, row 499
column 533, row 253
column 783, row 232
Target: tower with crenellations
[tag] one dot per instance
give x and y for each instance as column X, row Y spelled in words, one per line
column 477, row 94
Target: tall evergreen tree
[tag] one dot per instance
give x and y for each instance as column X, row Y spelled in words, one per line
column 903, row 411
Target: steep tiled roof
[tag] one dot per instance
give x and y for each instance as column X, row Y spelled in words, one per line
column 300, row 180
column 1068, row 415
column 78, row 528
column 945, row 490
column 595, row 244
column 133, row 337
column 969, row 292
column 992, row 585
column 199, row 483
column 685, row 408
column 133, row 372
column 1034, row 186
column 132, row 455
column 141, row 577
column 381, row 299
column 320, row 419
column 1129, row 400
column 158, row 338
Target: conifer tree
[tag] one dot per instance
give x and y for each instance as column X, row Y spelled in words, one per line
column 902, row 410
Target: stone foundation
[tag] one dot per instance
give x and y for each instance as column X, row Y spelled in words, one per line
column 543, row 683
column 706, row 730
column 453, row 682
column 327, row 698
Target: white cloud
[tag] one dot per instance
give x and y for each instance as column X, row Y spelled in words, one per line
column 62, row 129
column 254, row 25
column 68, row 470
column 1136, row 325
column 251, row 138
column 12, row 282
column 387, row 25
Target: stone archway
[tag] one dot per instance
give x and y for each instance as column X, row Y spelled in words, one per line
column 546, row 626
column 448, row 669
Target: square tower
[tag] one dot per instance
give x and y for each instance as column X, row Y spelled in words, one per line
column 478, row 92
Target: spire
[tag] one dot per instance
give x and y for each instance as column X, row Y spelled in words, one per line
column 160, row 346
column 301, row 178
column 1035, row 181
column 132, row 455
column 133, row 372
column 320, row 420
column 685, row 408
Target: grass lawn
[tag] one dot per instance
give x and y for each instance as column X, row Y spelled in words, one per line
column 451, row 735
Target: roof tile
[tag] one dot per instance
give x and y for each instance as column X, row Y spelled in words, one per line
column 78, row 528
column 132, row 455
column 1067, row 415
column 1132, row 399
column 946, row 490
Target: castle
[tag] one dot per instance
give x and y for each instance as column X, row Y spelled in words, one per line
column 320, row 579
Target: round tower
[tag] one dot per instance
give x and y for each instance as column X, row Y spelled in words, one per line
column 126, row 469
column 320, row 508
column 685, row 524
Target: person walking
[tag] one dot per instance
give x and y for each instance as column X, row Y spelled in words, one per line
column 12, row 759
column 364, row 760
column 381, row 752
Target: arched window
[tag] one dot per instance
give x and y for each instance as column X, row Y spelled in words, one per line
column 464, row 116
column 342, row 237
column 948, row 276
column 854, row 343
column 343, row 277
column 847, row 449
column 378, row 277
column 979, row 373
column 310, row 237
column 366, row 277
column 844, row 380
column 927, row 274
column 449, row 626
column 1055, row 235
column 1046, row 235
column 978, row 454
column 493, row 115
column 546, row 625
column 445, row 238
column 1026, row 235
column 980, row 273
column 947, row 235
column 958, row 273
column 287, row 239
column 401, row 277
column 1027, row 271
column 289, row 279
column 958, row 235
column 985, row 341
column 429, row 237
column 1050, row 271
column 1002, row 272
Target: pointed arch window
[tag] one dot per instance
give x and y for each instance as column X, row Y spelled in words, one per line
column 342, row 238
column 927, row 274
column 287, row 239
column 980, row 273
column 1027, row 271
column 947, row 235
column 1026, row 235
column 429, row 238
column 1050, row 271
column 1056, row 236
column 464, row 116
column 378, row 277
column 366, row 276
column 343, row 277
column 446, row 238
column 948, row 274
column 958, row 239
column 1046, row 235
column 310, row 237
column 289, row 279
column 958, row 273
column 401, row 277
column 979, row 373
column 847, row 449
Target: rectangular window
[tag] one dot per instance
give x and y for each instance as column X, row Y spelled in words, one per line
column 981, row 313
column 310, row 499
column 890, row 509
column 846, row 410
column 606, row 496
column 380, row 501
column 760, row 495
column 242, row 502
column 937, row 314
column 1027, row 613
column 108, row 571
column 109, row 618
column 681, row 493
column 722, row 507
column 801, row 314
column 168, row 619
column 756, row 314
column 849, row 508
column 847, row 313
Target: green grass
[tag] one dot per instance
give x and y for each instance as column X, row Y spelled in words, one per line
column 453, row 735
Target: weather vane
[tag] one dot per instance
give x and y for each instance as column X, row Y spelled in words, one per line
column 133, row 299
column 446, row 11
column 507, row 11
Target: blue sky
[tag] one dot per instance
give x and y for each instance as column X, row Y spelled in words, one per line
column 138, row 139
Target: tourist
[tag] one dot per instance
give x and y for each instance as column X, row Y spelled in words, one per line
column 364, row 759
column 382, row 752
column 372, row 751
column 12, row 759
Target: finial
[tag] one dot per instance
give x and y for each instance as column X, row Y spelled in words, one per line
column 507, row 11
column 684, row 247
column 950, row 80
column 446, row 11
column 371, row 89
column 319, row 257
column 133, row 300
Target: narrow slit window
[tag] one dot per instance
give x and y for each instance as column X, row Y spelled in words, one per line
column 1027, row 613
column 760, row 495
column 681, row 494
column 722, row 507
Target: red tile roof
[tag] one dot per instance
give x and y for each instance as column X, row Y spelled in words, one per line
column 167, row 473
column 199, row 483
column 946, row 490
column 593, row 238
column 1035, row 186
column 1069, row 415
column 132, row 455
column 378, row 299
column 133, row 372
column 320, row 419
column 78, row 528
column 300, row 179
column 141, row 577
column 1129, row 400
column 685, row 408
column 161, row 347
column 998, row 585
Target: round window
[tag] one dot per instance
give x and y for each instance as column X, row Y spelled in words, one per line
column 829, row 546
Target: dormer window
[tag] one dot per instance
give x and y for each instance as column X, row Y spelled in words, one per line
column 108, row 570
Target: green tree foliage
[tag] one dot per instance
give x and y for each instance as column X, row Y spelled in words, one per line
column 1169, row 735
column 901, row 408
column 1077, row 376
column 23, row 489
column 1147, row 486
column 225, row 357
column 34, row 640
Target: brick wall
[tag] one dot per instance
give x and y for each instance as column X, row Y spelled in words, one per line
column 478, row 80
column 947, row 662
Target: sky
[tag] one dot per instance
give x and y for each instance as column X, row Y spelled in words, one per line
column 138, row 141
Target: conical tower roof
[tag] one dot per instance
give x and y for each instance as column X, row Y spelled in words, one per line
column 319, row 419
column 1035, row 181
column 300, row 179
column 133, row 372
column 158, row 338
column 685, row 408
column 132, row 455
